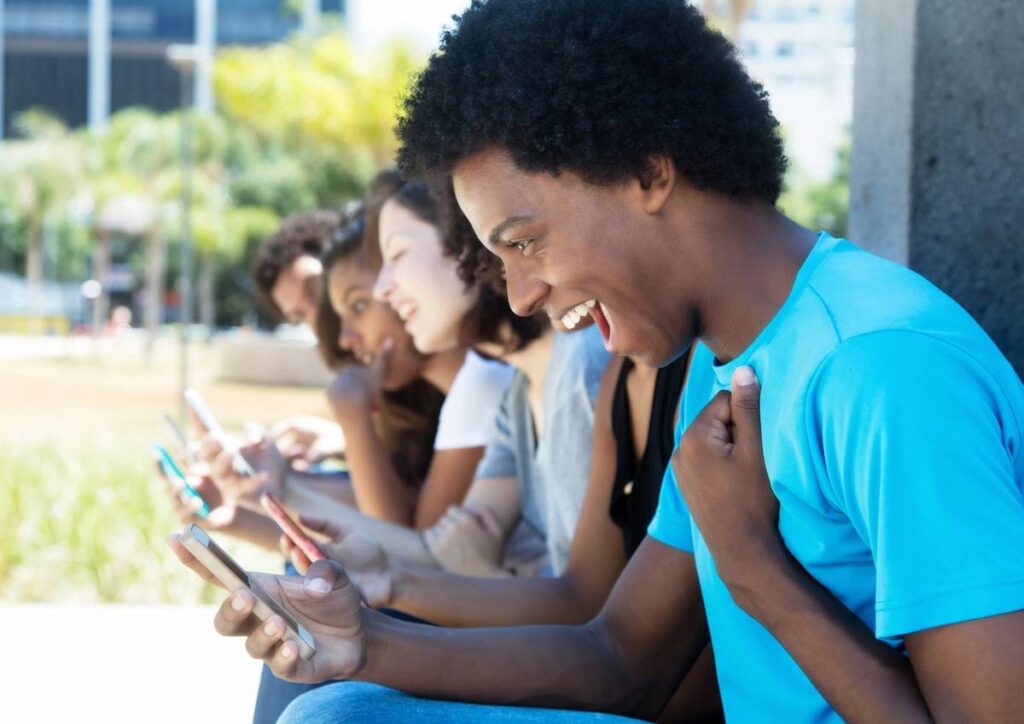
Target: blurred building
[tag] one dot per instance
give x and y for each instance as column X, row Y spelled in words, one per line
column 46, row 49
column 802, row 52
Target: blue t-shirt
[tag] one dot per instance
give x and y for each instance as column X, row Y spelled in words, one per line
column 892, row 431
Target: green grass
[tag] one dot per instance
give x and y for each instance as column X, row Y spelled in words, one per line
column 90, row 525
column 83, row 516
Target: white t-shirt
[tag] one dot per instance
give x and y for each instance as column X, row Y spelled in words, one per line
column 467, row 415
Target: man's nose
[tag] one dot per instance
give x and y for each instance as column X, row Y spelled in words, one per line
column 526, row 294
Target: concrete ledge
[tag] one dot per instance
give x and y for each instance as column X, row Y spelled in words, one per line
column 266, row 360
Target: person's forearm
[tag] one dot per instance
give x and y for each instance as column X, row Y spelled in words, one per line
column 378, row 489
column 400, row 542
column 334, row 485
column 448, row 599
column 254, row 527
column 863, row 678
column 555, row 666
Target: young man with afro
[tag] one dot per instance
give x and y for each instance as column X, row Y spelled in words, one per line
column 844, row 514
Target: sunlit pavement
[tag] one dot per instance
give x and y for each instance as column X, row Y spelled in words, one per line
column 113, row 663
column 14, row 346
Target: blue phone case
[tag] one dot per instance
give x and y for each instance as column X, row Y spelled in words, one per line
column 171, row 470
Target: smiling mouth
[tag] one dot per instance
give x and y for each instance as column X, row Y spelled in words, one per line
column 600, row 315
column 406, row 310
column 572, row 317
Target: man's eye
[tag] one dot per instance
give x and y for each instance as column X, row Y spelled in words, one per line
column 520, row 244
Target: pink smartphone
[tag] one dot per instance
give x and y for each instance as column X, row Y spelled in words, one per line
column 225, row 570
column 291, row 528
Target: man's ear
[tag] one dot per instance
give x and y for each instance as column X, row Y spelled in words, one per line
column 655, row 185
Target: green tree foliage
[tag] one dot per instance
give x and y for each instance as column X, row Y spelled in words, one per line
column 39, row 174
column 821, row 204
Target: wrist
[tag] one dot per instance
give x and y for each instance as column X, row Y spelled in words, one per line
column 374, row 637
column 757, row 581
column 401, row 578
column 351, row 408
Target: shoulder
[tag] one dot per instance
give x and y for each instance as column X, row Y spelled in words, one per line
column 580, row 359
column 480, row 376
column 905, row 376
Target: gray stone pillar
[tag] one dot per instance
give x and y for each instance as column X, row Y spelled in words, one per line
column 937, row 169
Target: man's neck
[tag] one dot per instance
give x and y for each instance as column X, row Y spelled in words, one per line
column 753, row 254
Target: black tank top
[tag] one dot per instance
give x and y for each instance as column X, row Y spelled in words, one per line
column 638, row 482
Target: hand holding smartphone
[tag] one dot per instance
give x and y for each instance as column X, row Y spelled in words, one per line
column 174, row 473
column 291, row 528
column 213, row 427
column 229, row 573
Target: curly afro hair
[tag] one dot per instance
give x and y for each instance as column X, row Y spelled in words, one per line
column 303, row 234
column 595, row 87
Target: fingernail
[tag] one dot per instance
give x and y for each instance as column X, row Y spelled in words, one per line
column 286, row 652
column 318, row 585
column 237, row 603
column 744, row 377
column 269, row 628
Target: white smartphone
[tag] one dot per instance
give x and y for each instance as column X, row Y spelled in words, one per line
column 225, row 570
column 212, row 426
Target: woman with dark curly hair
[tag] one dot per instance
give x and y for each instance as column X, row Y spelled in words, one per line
column 843, row 516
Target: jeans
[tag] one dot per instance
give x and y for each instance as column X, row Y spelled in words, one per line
column 353, row 701
column 275, row 694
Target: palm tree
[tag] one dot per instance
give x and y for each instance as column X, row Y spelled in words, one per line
column 41, row 172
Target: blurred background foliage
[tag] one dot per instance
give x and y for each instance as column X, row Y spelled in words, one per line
column 301, row 124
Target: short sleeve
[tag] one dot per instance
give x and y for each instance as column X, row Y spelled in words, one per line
column 922, row 451
column 472, row 403
column 499, row 460
column 671, row 524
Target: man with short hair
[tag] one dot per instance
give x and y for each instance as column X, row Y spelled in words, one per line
column 844, row 515
column 287, row 268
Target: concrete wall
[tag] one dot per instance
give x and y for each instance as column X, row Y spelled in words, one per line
column 937, row 178
column 266, row 360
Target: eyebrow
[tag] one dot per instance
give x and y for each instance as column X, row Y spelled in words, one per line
column 348, row 292
column 494, row 238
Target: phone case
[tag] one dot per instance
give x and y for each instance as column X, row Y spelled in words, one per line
column 228, row 572
column 172, row 471
column 291, row 528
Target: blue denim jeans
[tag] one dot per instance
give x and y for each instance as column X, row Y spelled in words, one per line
column 352, row 701
column 275, row 694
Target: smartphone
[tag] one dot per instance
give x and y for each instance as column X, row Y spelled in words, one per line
column 212, row 426
column 291, row 528
column 225, row 570
column 173, row 472
column 179, row 435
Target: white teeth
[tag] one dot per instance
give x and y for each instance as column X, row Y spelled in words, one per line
column 574, row 315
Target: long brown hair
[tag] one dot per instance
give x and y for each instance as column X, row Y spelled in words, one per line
column 407, row 418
